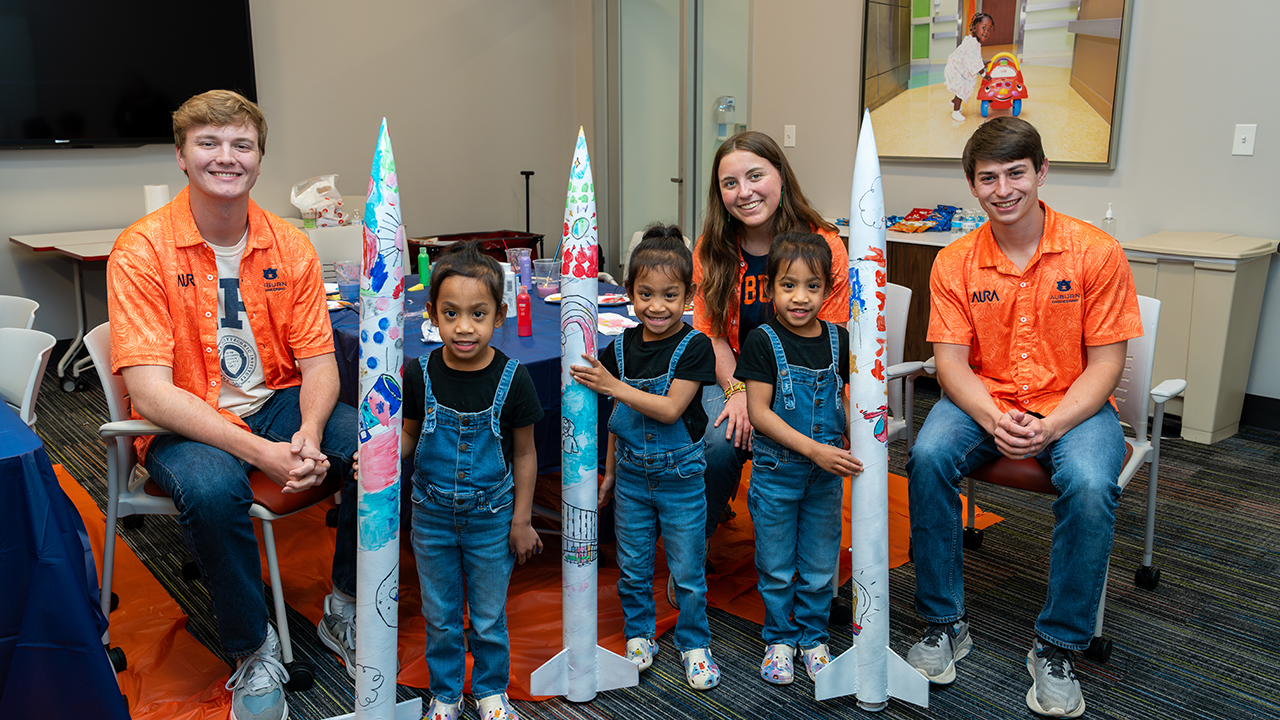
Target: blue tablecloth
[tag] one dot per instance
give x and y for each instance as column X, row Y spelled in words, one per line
column 52, row 664
column 540, row 353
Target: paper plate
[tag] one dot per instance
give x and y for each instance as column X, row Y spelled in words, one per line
column 606, row 300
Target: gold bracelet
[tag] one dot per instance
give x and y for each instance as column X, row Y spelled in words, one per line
column 734, row 389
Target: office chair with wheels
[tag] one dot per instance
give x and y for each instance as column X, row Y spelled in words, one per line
column 130, row 492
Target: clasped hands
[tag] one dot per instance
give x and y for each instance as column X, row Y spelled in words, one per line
column 1021, row 435
column 296, row 465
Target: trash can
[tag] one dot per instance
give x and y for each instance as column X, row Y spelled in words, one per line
column 1210, row 288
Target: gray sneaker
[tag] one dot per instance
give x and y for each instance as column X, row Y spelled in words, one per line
column 936, row 654
column 337, row 630
column 1055, row 691
column 257, row 685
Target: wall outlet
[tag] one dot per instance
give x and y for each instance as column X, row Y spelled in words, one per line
column 1242, row 143
column 789, row 137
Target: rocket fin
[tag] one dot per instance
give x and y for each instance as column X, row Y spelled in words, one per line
column 614, row 671
column 405, row 710
column 839, row 677
column 553, row 677
column 906, row 683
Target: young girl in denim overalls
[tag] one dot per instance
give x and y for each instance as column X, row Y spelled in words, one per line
column 656, row 463
column 474, row 472
column 794, row 367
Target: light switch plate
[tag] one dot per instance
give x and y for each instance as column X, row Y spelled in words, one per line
column 788, row 136
column 1242, row 143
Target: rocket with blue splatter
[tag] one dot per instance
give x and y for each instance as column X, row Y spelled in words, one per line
column 869, row 669
column 582, row 668
column 380, row 416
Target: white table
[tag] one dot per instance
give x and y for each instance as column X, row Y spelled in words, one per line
column 78, row 247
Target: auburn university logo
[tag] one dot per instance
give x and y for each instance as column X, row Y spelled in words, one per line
column 269, row 274
column 982, row 296
column 1064, row 286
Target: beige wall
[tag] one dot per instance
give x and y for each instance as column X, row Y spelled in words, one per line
column 474, row 91
column 1175, row 170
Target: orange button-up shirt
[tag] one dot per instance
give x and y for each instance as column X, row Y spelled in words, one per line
column 1027, row 331
column 162, row 294
column 835, row 308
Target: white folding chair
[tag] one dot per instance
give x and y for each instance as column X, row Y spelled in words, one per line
column 1134, row 397
column 24, row 354
column 130, row 491
column 17, row 312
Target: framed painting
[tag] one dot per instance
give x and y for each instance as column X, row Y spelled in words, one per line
column 933, row 70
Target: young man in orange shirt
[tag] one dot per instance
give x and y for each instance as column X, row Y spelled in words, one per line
column 1029, row 318
column 220, row 330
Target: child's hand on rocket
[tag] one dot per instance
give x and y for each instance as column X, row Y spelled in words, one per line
column 594, row 377
column 836, row 461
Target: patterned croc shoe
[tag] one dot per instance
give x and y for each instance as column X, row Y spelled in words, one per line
column 641, row 651
column 815, row 658
column 496, row 707
column 700, row 670
column 776, row 667
column 443, row 711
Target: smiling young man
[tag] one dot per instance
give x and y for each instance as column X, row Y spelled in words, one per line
column 1029, row 318
column 220, row 331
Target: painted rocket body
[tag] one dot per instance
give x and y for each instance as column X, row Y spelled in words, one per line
column 869, row 668
column 380, row 418
column 582, row 668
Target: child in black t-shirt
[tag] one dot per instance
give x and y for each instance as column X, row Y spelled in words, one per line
column 794, row 367
column 468, row 420
column 655, row 465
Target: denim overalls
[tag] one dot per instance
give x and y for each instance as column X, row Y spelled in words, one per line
column 659, row 479
column 795, row 505
column 462, row 506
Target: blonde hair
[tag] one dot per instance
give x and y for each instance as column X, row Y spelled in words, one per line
column 219, row 108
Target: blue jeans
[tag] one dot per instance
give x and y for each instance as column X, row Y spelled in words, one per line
column 671, row 491
column 462, row 541
column 797, row 509
column 1085, row 466
column 210, row 488
column 724, row 461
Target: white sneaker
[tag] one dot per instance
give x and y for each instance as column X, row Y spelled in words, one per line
column 257, row 685
column 936, row 654
column 955, row 115
column 337, row 630
column 1055, row 691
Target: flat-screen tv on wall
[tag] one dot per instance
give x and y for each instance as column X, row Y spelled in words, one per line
column 89, row 73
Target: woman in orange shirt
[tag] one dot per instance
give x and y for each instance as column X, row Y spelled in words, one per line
column 754, row 196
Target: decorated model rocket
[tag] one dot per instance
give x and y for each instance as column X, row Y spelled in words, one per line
column 869, row 668
column 378, row 493
column 582, row 668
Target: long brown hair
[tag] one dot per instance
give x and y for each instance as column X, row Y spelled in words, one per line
column 718, row 247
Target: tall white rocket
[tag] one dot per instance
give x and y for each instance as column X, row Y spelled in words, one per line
column 582, row 668
column 869, row 668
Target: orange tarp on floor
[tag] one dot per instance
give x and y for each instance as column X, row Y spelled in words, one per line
column 172, row 676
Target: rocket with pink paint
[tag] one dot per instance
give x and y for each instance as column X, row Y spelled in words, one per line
column 582, row 668
column 869, row 668
column 381, row 416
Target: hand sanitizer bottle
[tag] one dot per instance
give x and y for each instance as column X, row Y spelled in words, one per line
column 1109, row 222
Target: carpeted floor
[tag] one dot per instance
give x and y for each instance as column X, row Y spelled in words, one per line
column 1204, row 644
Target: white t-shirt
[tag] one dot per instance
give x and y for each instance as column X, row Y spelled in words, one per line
column 244, row 386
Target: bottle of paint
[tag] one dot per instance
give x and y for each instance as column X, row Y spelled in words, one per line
column 524, row 312
column 508, row 288
column 424, row 266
